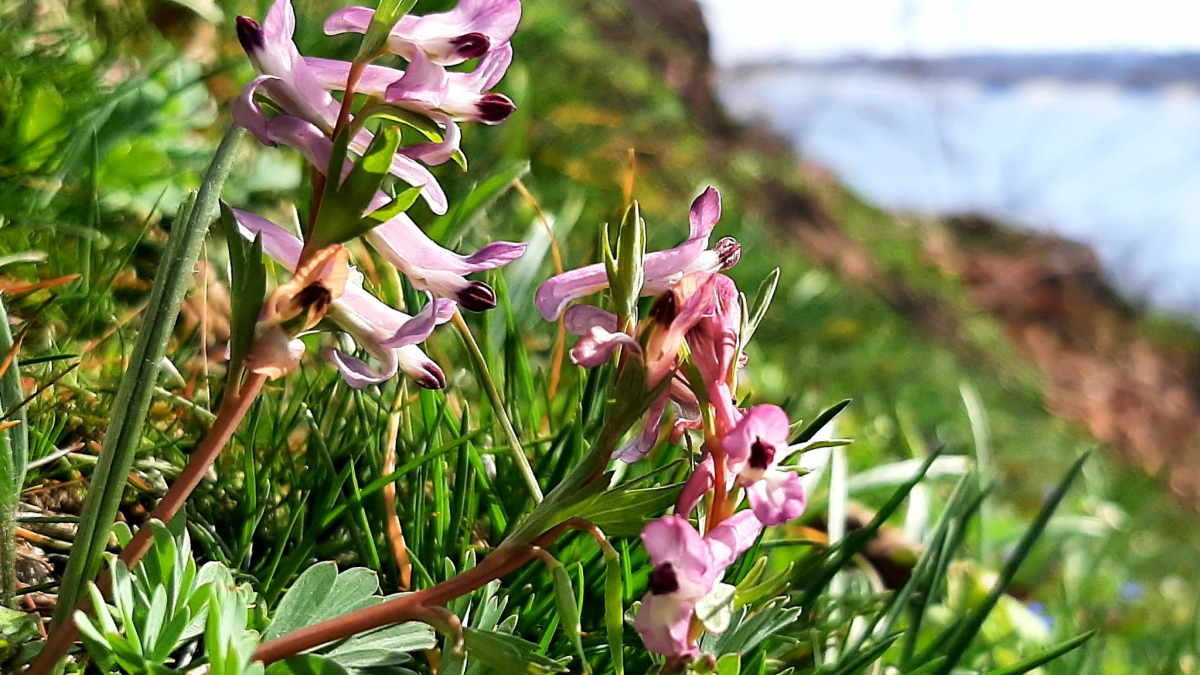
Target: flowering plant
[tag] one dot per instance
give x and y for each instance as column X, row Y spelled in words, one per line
column 662, row 340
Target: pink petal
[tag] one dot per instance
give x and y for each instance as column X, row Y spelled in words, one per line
column 672, row 539
column 401, row 238
column 465, row 32
column 705, row 212
column 579, row 318
column 332, row 74
column 597, row 346
column 282, row 246
column 248, row 114
column 663, row 268
column 641, row 444
column 664, row 622
column 762, row 423
column 418, row 329
column 777, row 498
column 734, row 536
column 357, row 373
column 701, row 481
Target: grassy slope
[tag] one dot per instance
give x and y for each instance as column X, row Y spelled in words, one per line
column 584, row 101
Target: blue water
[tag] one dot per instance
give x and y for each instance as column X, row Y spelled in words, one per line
column 1112, row 167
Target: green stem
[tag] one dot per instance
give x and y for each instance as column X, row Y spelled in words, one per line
column 493, row 394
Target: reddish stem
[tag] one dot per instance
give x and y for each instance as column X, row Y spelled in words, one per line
column 233, row 409
column 504, row 560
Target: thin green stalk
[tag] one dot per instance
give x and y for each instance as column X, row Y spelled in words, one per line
column 493, row 394
column 14, row 456
column 171, row 283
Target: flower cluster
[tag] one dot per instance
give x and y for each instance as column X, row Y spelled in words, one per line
column 693, row 336
column 290, row 103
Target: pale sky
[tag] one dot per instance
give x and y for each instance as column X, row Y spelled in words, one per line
column 748, row 30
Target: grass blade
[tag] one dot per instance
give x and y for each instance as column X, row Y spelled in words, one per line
column 171, row 283
column 961, row 638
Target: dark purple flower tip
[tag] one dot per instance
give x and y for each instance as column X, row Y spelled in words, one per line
column 431, row 378
column 471, row 45
column 477, row 297
column 250, row 34
column 663, row 580
column 494, row 108
column 761, row 455
column 729, row 252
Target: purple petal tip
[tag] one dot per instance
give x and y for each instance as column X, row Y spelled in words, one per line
column 477, row 297
column 250, row 34
column 471, row 45
column 495, row 108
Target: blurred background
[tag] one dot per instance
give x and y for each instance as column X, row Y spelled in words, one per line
column 983, row 214
column 1069, row 117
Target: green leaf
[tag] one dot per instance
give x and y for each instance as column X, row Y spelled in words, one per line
column 304, row 601
column 343, row 205
column 730, row 664
column 386, row 16
column 16, row 628
column 824, row 418
column 307, row 664
column 751, row 630
column 614, row 609
column 509, row 653
column 41, row 126
column 762, row 302
column 390, row 112
column 400, row 204
column 247, row 288
column 1045, row 657
column 568, row 611
column 624, row 512
column 387, row 646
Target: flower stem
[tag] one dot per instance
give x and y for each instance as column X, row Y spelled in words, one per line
column 395, row 532
column 233, row 409
column 504, row 560
column 493, row 394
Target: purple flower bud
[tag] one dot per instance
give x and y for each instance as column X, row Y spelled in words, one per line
column 477, row 297
column 495, row 108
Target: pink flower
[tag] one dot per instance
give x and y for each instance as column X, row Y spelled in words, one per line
column 755, row 448
column 428, row 89
column 390, row 336
column 290, row 83
column 470, row 30
column 663, row 269
column 686, row 567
